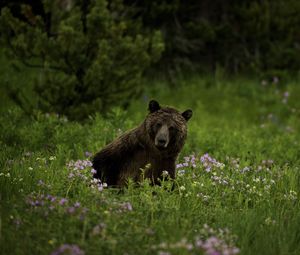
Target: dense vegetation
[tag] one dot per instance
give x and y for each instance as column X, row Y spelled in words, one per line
column 91, row 55
column 89, row 58
column 242, row 195
column 238, row 36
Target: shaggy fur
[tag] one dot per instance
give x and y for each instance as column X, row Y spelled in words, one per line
column 155, row 143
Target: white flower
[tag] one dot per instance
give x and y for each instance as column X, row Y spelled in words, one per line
column 181, row 172
column 165, row 173
column 182, row 188
column 52, row 158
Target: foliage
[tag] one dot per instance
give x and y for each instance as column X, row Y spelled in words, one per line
column 237, row 185
column 91, row 55
column 237, row 36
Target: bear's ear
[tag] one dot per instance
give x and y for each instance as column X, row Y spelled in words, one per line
column 153, row 106
column 187, row 114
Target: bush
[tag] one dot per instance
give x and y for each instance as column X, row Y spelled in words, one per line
column 90, row 54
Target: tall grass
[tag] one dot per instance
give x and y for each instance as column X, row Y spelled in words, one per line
column 237, row 184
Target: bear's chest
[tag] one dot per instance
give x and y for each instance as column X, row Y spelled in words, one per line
column 140, row 165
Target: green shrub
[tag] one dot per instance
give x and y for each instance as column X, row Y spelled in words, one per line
column 90, row 54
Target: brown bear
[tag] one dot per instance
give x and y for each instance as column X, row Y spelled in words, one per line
column 154, row 145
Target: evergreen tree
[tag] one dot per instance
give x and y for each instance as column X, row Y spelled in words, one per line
column 91, row 54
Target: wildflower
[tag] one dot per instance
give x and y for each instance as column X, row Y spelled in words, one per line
column 165, row 173
column 182, row 188
column 51, row 241
column 71, row 210
column 51, row 198
column 71, row 249
column 149, row 231
column 164, row 253
column 269, row 221
column 88, row 154
column 27, row 154
column 209, row 162
column 181, row 172
column 286, row 94
column 41, row 183
column 275, row 79
column 77, row 204
column 179, row 165
column 292, row 195
column 207, row 169
column 98, row 229
column 259, row 168
column 93, row 171
column 126, row 206
column 186, row 159
column 97, row 184
column 263, row 83
column 63, row 201
column 52, row 158
column 245, row 169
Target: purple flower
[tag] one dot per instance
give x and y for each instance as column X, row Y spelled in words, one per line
column 71, row 175
column 88, row 154
column 126, row 206
column 70, row 249
column 286, row 94
column 63, row 201
column 209, row 162
column 98, row 228
column 164, row 253
column 71, row 210
column 41, row 183
column 77, row 204
column 275, row 79
column 179, row 165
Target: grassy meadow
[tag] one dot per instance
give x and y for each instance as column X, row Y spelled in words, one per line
column 236, row 192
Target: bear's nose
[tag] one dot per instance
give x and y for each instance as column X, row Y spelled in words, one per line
column 161, row 141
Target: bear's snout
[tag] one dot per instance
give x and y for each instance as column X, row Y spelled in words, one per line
column 162, row 137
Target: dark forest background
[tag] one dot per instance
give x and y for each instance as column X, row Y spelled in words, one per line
column 95, row 53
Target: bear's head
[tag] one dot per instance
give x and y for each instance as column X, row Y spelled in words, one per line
column 166, row 126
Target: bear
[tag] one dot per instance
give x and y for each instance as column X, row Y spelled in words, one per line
column 145, row 151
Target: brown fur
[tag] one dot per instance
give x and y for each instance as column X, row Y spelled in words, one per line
column 128, row 154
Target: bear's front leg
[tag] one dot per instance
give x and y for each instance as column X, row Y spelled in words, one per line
column 166, row 164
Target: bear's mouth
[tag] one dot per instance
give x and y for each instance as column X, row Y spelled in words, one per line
column 161, row 146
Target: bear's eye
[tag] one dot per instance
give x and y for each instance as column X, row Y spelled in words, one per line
column 171, row 129
column 158, row 125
